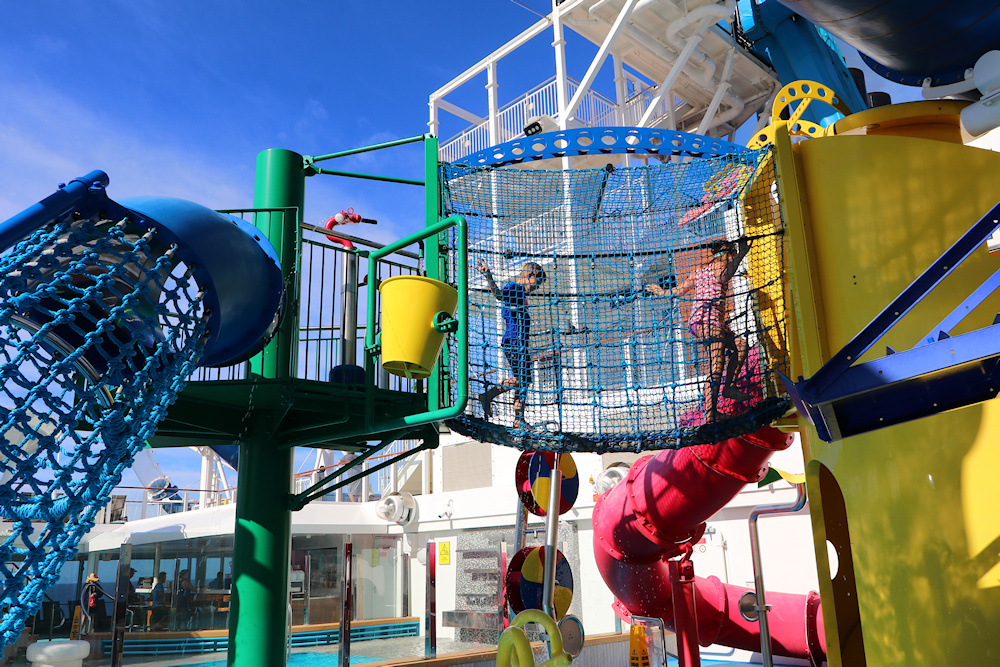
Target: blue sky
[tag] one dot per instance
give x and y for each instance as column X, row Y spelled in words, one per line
column 177, row 98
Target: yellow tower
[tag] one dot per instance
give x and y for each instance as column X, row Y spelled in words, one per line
column 912, row 511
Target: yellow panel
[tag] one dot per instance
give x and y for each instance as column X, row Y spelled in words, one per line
column 980, row 496
column 882, row 210
column 922, row 498
column 937, row 119
column 761, row 216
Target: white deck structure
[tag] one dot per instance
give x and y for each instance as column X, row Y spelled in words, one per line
column 674, row 67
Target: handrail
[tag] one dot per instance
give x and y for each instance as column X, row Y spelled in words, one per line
column 371, row 349
column 514, row 643
column 353, row 239
column 758, row 568
column 56, row 205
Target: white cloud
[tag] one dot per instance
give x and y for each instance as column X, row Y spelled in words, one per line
column 47, row 137
column 316, row 110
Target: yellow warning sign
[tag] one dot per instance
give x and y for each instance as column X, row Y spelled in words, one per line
column 444, row 553
column 638, row 653
column 74, row 628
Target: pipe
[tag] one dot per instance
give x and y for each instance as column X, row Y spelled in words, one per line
column 715, row 12
column 695, row 74
column 552, row 539
column 349, row 312
column 710, row 14
column 668, row 83
column 713, row 107
column 663, row 505
column 758, row 565
column 597, row 5
column 682, row 590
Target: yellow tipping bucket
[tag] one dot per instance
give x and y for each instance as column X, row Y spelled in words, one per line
column 410, row 343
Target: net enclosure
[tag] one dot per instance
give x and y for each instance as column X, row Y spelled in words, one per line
column 104, row 314
column 100, row 327
column 622, row 309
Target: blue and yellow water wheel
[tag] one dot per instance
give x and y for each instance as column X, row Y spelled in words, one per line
column 532, row 476
column 525, row 577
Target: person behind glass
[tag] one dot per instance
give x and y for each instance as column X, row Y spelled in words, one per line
column 159, row 612
column 517, row 330
column 708, row 320
column 92, row 596
column 354, row 488
column 133, row 597
column 185, row 600
column 218, row 583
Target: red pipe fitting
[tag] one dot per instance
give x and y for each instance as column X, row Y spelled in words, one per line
column 685, row 619
column 642, row 523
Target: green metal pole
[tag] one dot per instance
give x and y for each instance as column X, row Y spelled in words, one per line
column 280, row 183
column 262, row 542
column 432, row 258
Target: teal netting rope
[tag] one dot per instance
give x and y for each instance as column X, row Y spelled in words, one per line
column 622, row 309
column 101, row 326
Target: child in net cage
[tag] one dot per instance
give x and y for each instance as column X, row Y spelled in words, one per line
column 513, row 299
column 709, row 287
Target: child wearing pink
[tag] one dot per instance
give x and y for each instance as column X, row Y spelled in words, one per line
column 708, row 286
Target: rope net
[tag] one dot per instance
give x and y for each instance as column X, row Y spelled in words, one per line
column 101, row 325
column 622, row 309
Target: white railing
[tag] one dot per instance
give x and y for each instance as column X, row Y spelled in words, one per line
column 399, row 470
column 595, row 110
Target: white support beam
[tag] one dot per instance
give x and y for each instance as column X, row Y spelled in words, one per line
column 621, row 89
column 720, row 92
column 559, row 44
column 602, row 53
column 433, row 124
column 494, row 105
column 445, row 105
column 670, row 80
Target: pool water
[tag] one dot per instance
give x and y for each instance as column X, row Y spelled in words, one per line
column 333, row 659
column 302, row 660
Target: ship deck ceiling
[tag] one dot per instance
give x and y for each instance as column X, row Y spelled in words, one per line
column 648, row 55
column 750, row 80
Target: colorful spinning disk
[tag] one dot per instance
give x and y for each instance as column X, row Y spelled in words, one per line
column 525, row 581
column 532, row 479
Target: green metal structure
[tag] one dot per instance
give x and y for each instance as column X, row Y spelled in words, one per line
column 270, row 411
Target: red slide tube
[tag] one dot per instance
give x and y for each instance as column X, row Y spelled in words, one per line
column 663, row 504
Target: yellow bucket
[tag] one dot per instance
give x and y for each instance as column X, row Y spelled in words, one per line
column 410, row 343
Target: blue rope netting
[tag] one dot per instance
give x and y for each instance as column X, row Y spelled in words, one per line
column 101, row 325
column 659, row 320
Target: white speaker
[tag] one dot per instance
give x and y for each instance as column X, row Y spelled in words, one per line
column 397, row 508
column 609, row 479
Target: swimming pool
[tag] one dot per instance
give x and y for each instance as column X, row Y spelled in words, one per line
column 311, row 659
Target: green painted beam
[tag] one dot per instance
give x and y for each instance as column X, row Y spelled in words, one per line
column 262, row 541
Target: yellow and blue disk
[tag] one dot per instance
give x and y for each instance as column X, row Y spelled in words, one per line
column 532, row 476
column 525, row 577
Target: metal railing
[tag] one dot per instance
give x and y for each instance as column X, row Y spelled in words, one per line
column 393, row 477
column 318, row 346
column 139, row 504
column 595, row 110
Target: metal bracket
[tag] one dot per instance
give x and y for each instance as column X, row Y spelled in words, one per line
column 445, row 323
column 942, row 372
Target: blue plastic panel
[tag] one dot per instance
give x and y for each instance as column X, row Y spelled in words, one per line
column 908, row 41
column 597, row 140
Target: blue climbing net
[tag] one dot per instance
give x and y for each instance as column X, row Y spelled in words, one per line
column 101, row 325
column 661, row 319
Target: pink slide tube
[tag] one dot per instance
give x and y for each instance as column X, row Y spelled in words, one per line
column 664, row 502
